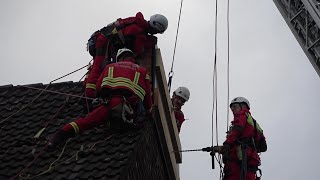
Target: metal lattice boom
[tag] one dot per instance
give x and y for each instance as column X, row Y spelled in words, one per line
column 303, row 18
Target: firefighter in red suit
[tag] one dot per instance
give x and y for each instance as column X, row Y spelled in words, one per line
column 131, row 33
column 244, row 141
column 179, row 97
column 123, row 85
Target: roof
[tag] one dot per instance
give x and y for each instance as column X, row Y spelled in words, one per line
column 98, row 153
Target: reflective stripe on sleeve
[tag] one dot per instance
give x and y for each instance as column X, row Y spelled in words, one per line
column 91, row 86
column 250, row 121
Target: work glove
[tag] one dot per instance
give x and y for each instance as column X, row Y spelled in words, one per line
column 218, row 149
column 226, row 152
column 58, row 138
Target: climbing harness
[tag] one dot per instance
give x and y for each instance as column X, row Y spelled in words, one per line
column 243, row 151
column 123, row 111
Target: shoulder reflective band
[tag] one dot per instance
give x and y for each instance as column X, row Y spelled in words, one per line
column 136, row 78
column 121, row 81
column 110, row 72
column 120, row 34
column 250, row 121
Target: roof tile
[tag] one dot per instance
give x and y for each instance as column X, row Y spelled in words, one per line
column 96, row 154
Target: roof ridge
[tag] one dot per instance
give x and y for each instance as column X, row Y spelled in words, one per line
column 6, row 86
column 65, row 82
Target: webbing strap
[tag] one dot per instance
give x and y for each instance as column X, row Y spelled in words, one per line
column 119, row 31
column 244, row 162
column 251, row 121
column 136, row 78
column 257, row 128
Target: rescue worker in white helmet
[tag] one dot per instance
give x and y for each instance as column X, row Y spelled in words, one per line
column 245, row 139
column 130, row 32
column 179, row 97
column 125, row 86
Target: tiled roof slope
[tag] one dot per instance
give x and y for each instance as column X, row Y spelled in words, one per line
column 99, row 153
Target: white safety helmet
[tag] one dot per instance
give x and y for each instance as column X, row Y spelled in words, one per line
column 183, row 92
column 120, row 51
column 240, row 100
column 159, row 22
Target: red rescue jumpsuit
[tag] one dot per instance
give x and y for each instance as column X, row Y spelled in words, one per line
column 135, row 35
column 241, row 128
column 179, row 117
column 124, row 75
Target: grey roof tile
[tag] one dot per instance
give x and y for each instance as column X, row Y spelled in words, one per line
column 103, row 156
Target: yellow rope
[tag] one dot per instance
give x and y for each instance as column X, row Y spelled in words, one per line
column 28, row 176
column 53, row 165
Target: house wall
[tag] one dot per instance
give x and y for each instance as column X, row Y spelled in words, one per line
column 148, row 160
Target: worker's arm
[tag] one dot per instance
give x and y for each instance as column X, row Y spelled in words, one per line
column 97, row 66
column 238, row 124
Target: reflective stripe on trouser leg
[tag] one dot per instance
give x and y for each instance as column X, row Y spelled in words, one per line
column 75, row 127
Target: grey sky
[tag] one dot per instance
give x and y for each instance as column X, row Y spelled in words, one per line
column 43, row 40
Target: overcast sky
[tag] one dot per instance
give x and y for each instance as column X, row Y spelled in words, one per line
column 42, row 40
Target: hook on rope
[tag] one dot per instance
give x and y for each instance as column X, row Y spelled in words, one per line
column 170, row 75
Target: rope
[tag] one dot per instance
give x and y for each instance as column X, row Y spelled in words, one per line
column 220, row 165
column 56, row 92
column 51, row 165
column 228, row 68
column 107, row 138
column 215, row 94
column 69, row 74
column 30, row 163
column 56, row 114
column 42, row 150
column 207, row 149
column 23, row 107
column 214, row 77
column 84, row 94
column 42, row 90
column 42, row 129
column 45, row 89
column 174, row 50
column 61, row 107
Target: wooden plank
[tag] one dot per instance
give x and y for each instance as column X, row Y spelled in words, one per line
column 161, row 83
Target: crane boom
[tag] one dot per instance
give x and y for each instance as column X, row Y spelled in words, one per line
column 303, row 18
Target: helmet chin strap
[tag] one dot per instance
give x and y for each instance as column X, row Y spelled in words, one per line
column 177, row 107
